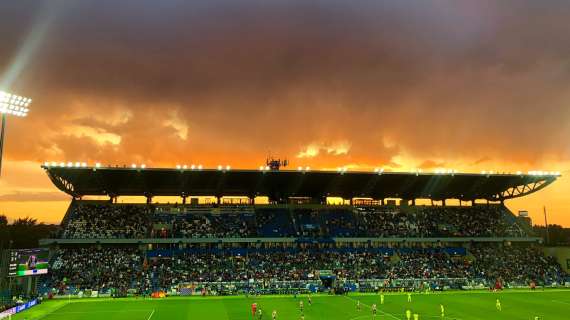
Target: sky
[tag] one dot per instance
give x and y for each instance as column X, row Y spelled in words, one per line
column 468, row 85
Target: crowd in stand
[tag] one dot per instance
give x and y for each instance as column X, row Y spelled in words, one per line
column 140, row 221
column 429, row 265
column 202, row 226
column 121, row 269
column 515, row 264
column 91, row 221
column 97, row 269
column 478, row 221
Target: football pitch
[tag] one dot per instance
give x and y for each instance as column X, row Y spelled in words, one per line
column 523, row 304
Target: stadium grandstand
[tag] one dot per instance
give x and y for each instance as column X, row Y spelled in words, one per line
column 272, row 231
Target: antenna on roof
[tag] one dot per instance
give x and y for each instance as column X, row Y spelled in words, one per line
column 276, row 164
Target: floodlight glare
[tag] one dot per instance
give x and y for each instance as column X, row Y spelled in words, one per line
column 14, row 105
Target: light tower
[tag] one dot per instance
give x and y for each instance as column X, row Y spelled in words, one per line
column 14, row 105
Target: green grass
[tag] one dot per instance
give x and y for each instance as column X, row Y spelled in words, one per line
column 522, row 304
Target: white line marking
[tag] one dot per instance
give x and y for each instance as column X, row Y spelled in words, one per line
column 150, row 315
column 561, row 302
column 105, row 311
column 383, row 312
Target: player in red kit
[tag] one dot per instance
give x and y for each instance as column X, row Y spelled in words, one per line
column 253, row 310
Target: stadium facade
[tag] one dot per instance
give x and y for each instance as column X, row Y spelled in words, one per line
column 378, row 239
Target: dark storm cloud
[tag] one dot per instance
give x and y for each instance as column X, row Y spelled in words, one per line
column 178, row 80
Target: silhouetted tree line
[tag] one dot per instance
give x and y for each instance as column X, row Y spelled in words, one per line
column 558, row 235
column 23, row 232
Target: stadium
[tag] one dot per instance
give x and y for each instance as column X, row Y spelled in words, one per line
column 284, row 160
column 273, row 238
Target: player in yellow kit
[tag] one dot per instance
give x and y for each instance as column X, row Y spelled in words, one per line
column 442, row 310
column 408, row 314
column 409, row 297
column 498, row 305
column 382, row 298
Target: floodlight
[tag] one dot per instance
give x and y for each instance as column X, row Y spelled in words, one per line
column 199, row 167
column 97, row 165
column 193, row 167
column 134, row 166
column 143, row 166
column 219, row 167
column 184, row 167
column 46, row 164
column 14, row 105
column 178, row 166
column 299, row 168
column 228, row 167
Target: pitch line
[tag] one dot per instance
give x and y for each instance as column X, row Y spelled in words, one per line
column 150, row 315
column 104, row 311
column 383, row 312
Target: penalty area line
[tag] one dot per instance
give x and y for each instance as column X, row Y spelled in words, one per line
column 150, row 316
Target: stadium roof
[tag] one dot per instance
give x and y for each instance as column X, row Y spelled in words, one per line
column 115, row 181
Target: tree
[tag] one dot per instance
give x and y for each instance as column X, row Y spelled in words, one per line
column 25, row 233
